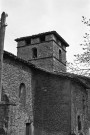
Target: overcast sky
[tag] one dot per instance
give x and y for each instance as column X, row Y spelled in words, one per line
column 27, row 17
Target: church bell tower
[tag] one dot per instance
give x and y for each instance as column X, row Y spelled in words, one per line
column 45, row 50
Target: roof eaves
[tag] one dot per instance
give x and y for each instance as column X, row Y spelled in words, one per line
column 45, row 33
column 68, row 75
column 17, row 58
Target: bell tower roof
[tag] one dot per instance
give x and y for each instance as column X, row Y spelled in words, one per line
column 45, row 50
column 44, row 34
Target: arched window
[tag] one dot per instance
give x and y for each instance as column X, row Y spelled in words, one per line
column 21, row 89
column 79, row 122
column 34, row 52
column 60, row 55
column 22, row 93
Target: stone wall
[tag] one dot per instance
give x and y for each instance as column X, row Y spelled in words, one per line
column 52, row 111
column 20, row 108
column 47, row 53
column 58, row 66
column 89, row 109
column 44, row 49
column 58, row 101
column 56, row 48
column 79, row 107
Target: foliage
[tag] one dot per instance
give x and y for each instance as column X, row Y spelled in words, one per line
column 78, row 69
column 81, row 64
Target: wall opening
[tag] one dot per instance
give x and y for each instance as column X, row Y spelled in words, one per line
column 34, row 52
column 42, row 39
column 60, row 55
column 57, row 40
column 28, row 128
column 28, row 41
column 79, row 122
column 21, row 89
column 22, row 93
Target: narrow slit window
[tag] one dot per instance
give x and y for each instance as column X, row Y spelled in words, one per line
column 28, row 128
column 60, row 55
column 22, row 94
column 79, row 123
column 21, row 89
column 34, row 52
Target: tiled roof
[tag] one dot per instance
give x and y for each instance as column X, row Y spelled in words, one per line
column 78, row 78
column 45, row 33
column 8, row 54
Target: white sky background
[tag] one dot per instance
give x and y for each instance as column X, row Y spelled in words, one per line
column 27, row 17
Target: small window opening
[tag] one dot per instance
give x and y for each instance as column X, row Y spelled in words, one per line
column 21, row 89
column 28, row 41
column 34, row 51
column 79, row 123
column 60, row 55
column 22, row 94
column 28, row 128
column 42, row 39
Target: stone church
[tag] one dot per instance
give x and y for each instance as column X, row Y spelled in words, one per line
column 38, row 96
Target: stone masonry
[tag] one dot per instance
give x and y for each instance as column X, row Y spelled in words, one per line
column 38, row 96
column 51, row 50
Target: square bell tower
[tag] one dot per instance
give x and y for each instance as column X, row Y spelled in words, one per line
column 45, row 50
